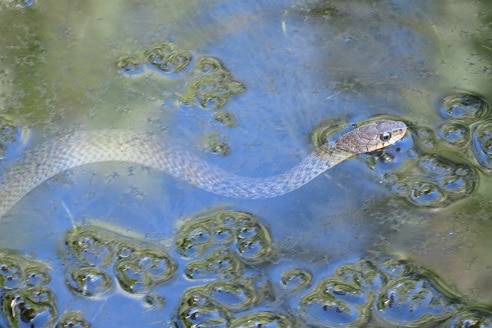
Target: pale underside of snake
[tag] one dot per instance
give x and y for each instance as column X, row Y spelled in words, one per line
column 85, row 147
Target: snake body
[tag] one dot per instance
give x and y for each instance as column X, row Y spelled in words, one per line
column 85, row 147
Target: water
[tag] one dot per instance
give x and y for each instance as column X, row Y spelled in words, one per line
column 245, row 86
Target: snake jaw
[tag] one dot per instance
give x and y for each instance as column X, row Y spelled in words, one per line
column 372, row 136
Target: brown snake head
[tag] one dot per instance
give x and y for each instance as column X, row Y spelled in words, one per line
column 371, row 136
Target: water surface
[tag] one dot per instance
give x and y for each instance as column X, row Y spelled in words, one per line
column 245, row 85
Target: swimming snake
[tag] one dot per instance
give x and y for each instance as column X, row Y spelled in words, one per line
column 85, row 147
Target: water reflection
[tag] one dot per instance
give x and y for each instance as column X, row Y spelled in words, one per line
column 271, row 71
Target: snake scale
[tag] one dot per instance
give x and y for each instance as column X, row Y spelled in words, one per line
column 85, row 147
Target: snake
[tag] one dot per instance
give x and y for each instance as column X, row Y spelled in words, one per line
column 85, row 147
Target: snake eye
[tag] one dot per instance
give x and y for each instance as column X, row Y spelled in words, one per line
column 386, row 136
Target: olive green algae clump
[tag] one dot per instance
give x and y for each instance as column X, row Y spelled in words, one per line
column 136, row 266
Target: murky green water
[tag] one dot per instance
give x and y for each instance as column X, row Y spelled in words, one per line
column 395, row 238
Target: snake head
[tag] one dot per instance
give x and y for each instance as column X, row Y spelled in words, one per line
column 372, row 136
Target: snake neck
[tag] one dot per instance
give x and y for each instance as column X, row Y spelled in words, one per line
column 331, row 154
column 236, row 186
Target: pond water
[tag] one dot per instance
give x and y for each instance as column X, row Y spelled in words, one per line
column 399, row 237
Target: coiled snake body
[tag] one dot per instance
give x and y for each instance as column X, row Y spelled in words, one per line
column 86, row 147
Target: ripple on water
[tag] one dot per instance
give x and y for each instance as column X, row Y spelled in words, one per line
column 90, row 247
column 212, row 85
column 104, row 256
column 25, row 298
column 425, row 137
column 239, row 232
column 296, row 279
column 130, row 65
column 384, row 291
column 465, row 113
column 217, row 146
column 197, row 310
column 144, row 269
column 167, row 58
column 411, row 301
column 221, row 263
column 463, row 107
column 89, row 281
column 19, row 272
column 472, row 318
column 423, row 193
column 454, row 134
column 439, row 168
column 235, row 295
column 365, row 274
column 225, row 118
column 482, row 145
column 387, row 291
column 34, row 306
column 327, row 131
column 335, row 303
column 12, row 276
column 432, row 181
column 263, row 319
column 73, row 319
